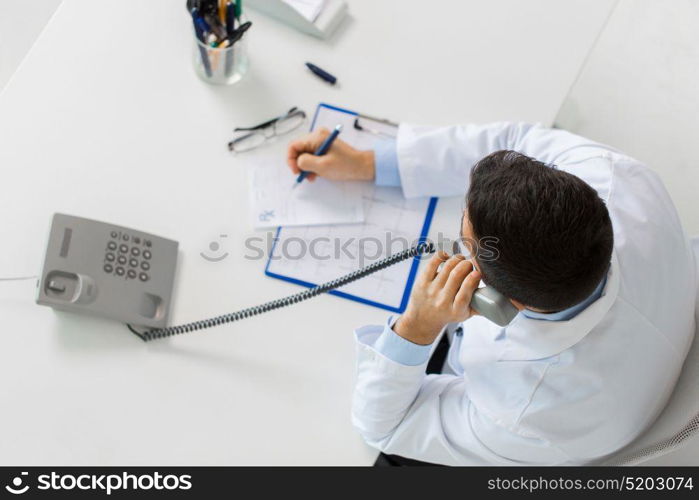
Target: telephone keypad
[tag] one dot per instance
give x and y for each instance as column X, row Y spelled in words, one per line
column 127, row 254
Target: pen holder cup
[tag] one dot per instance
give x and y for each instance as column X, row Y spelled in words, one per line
column 220, row 66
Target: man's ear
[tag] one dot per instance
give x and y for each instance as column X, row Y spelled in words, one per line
column 518, row 305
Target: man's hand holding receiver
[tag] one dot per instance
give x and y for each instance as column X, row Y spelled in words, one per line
column 439, row 297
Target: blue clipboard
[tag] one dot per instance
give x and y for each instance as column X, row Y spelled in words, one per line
column 413, row 268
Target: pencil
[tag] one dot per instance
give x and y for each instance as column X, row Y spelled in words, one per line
column 222, row 11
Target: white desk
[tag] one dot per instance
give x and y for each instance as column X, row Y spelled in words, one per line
column 21, row 22
column 106, row 119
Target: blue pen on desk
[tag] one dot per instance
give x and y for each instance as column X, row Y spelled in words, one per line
column 321, row 73
column 321, row 151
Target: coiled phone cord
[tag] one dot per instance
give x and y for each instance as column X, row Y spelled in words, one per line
column 159, row 333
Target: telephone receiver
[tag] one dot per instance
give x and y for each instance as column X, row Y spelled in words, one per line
column 493, row 305
column 490, row 303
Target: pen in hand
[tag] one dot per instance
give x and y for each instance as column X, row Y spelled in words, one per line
column 321, row 151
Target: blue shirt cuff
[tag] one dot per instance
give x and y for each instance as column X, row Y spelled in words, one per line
column 386, row 162
column 400, row 350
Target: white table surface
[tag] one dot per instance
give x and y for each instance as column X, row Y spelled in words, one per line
column 106, row 119
column 21, row 22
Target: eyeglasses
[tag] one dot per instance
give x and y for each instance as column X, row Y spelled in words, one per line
column 257, row 135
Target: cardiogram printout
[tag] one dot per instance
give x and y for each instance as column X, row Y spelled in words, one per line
column 277, row 200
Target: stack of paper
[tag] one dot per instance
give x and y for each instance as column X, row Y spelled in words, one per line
column 310, row 9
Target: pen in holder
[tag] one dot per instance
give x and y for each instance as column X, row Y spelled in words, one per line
column 222, row 65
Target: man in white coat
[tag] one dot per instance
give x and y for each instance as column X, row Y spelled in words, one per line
column 592, row 254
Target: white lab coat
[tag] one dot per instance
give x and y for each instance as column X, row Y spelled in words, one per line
column 541, row 392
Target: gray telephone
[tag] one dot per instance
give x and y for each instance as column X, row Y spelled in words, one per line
column 107, row 270
column 128, row 275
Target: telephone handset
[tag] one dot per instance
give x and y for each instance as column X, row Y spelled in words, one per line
column 493, row 305
column 486, row 300
column 92, row 267
column 490, row 303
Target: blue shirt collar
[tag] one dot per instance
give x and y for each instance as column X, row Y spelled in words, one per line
column 572, row 311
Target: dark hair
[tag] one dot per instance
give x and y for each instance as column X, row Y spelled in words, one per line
column 554, row 234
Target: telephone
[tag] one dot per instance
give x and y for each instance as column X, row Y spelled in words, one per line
column 98, row 268
column 107, row 270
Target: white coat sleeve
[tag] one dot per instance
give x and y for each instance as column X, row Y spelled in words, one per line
column 400, row 410
column 438, row 161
